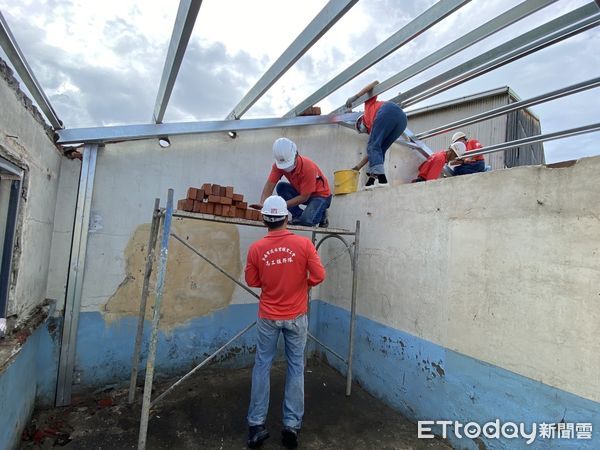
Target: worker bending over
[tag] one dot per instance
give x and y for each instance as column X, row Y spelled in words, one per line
column 283, row 265
column 468, row 165
column 307, row 185
column 431, row 169
column 384, row 122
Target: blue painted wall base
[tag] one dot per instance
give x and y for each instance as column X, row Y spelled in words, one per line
column 425, row 381
column 29, row 380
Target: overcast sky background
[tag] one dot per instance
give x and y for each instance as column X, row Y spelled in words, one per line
column 100, row 63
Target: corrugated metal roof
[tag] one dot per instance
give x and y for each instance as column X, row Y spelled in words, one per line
column 469, row 98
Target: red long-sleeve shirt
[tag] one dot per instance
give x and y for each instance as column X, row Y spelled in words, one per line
column 283, row 265
column 371, row 108
column 432, row 168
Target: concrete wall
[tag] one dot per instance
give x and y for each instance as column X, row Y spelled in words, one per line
column 28, row 365
column 478, row 297
column 25, row 142
column 198, row 300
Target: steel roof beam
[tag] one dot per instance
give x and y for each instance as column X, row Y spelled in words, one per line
column 538, row 138
column 570, row 24
column 569, row 90
column 433, row 15
column 16, row 57
column 498, row 23
column 146, row 131
column 328, row 16
column 182, row 30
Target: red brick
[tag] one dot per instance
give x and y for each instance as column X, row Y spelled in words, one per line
column 197, row 206
column 207, row 188
column 232, row 211
column 238, row 197
column 214, row 199
column 185, row 204
column 240, row 213
column 210, row 208
column 222, row 191
column 218, row 209
column 257, row 215
column 226, row 210
column 229, row 191
column 199, row 194
column 216, row 189
column 225, row 201
column 248, row 214
column 242, row 205
column 191, row 193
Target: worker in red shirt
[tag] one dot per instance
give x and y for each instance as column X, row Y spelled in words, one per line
column 468, row 165
column 307, row 185
column 431, row 169
column 284, row 265
column 384, row 122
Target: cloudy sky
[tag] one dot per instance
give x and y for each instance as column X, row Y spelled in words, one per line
column 100, row 63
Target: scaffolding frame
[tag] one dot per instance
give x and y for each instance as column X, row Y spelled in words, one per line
column 161, row 224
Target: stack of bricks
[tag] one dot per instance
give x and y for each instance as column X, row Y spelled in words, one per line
column 218, row 201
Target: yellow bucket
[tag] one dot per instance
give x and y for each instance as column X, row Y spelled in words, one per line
column 345, row 181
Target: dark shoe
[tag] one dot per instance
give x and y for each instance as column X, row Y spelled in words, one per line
column 257, row 434
column 370, row 184
column 325, row 222
column 289, row 437
column 382, row 179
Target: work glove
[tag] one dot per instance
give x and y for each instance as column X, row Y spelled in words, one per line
column 349, row 101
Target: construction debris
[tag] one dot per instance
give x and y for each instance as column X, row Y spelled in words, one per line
column 218, row 201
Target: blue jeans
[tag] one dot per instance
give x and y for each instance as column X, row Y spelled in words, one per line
column 315, row 209
column 389, row 124
column 467, row 168
column 294, row 335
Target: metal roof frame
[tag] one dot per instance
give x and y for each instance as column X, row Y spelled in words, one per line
column 495, row 25
column 328, row 16
column 182, row 30
column 521, row 104
column 572, row 23
column 414, row 28
column 563, row 27
column 145, row 131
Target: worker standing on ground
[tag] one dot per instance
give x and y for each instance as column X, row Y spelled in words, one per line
column 431, row 169
column 468, row 165
column 307, row 185
column 284, row 266
column 384, row 122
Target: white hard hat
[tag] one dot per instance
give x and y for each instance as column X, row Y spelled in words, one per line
column 358, row 123
column 459, row 148
column 284, row 152
column 458, row 135
column 274, row 209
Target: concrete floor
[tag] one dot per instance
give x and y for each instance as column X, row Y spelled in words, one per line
column 208, row 412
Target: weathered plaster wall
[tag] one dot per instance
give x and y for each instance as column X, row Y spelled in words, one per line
column 25, row 142
column 129, row 176
column 28, row 375
column 500, row 268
